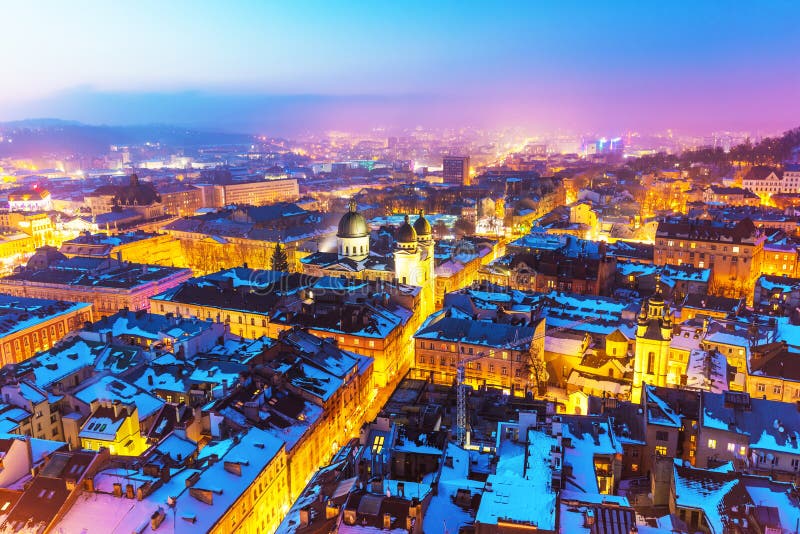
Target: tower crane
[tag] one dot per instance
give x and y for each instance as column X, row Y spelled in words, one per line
column 461, row 388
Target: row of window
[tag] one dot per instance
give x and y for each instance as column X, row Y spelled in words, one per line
column 693, row 245
column 431, row 360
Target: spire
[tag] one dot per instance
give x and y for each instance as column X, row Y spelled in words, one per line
column 658, row 284
column 406, row 218
column 353, row 205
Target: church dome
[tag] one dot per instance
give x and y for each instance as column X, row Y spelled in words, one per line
column 353, row 224
column 406, row 233
column 421, row 225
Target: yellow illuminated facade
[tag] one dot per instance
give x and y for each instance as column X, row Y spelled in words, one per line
column 115, row 427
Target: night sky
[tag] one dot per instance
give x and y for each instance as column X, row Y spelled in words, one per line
column 257, row 66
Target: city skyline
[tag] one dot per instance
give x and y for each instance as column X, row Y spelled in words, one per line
column 287, row 69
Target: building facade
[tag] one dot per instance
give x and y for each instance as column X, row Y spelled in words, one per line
column 733, row 252
column 455, row 170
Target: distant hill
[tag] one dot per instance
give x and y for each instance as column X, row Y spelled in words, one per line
column 33, row 137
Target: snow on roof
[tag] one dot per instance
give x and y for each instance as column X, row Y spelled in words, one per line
column 20, row 313
column 659, row 412
column 591, row 437
column 687, row 338
column 442, row 510
column 770, row 426
column 562, row 344
column 704, row 490
column 778, row 495
column 484, row 333
column 103, row 428
column 177, row 446
column 113, row 388
column 773, row 283
column 507, row 493
column 101, row 513
column 255, row 450
column 31, row 393
column 788, row 332
column 63, row 360
column 162, row 379
column 707, row 370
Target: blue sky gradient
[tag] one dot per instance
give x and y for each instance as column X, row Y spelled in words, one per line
column 264, row 66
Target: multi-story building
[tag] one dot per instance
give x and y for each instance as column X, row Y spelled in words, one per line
column 544, row 262
column 182, row 200
column 246, row 235
column 730, row 196
column 136, row 195
column 113, row 426
column 134, row 247
column 43, row 418
column 110, row 285
column 781, row 257
column 676, row 281
column 505, row 356
column 749, row 431
column 733, row 252
column 774, row 373
column 776, row 295
column 455, row 170
column 259, row 193
column 373, row 318
column 30, row 325
column 35, row 199
column 767, row 181
column 459, row 265
column 237, row 484
column 15, row 245
column 337, row 381
column 38, row 225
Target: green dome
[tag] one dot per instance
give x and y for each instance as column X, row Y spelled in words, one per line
column 421, row 225
column 353, row 224
column 406, row 233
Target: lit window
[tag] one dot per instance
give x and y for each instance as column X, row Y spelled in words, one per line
column 661, row 450
column 731, row 447
column 712, row 444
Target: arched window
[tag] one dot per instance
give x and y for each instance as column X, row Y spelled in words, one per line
column 651, row 363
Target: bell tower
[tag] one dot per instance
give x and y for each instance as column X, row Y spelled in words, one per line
column 653, row 336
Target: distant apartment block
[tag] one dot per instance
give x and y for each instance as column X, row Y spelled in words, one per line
column 256, row 193
column 455, row 170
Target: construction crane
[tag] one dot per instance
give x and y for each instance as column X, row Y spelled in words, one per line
column 461, row 387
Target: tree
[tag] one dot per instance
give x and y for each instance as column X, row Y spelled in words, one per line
column 280, row 261
column 464, row 227
column 440, row 230
column 537, row 370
